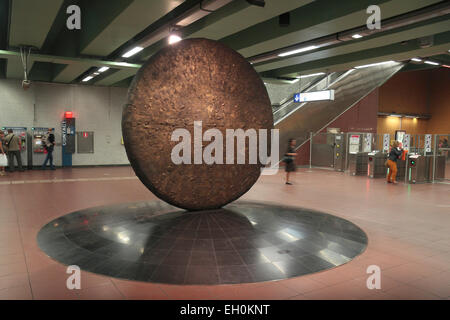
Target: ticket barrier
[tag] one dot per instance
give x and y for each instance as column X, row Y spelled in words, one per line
column 375, row 165
column 419, row 168
column 439, row 173
column 401, row 170
column 358, row 163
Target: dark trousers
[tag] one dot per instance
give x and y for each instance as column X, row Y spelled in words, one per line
column 47, row 158
column 11, row 155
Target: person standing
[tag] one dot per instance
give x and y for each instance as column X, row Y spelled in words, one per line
column 2, row 154
column 49, row 146
column 14, row 145
column 395, row 153
column 289, row 159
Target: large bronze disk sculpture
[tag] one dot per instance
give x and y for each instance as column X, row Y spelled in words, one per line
column 193, row 80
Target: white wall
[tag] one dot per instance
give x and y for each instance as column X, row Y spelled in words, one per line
column 97, row 109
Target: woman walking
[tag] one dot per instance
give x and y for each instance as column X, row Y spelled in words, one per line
column 395, row 153
column 289, row 159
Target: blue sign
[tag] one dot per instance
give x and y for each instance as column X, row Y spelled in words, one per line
column 297, row 97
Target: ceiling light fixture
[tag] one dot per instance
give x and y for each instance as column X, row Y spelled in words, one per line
column 431, row 62
column 416, row 59
column 132, row 52
column 288, row 53
column 311, row 75
column 87, row 78
column 103, row 69
column 174, row 38
column 373, row 64
column 357, row 36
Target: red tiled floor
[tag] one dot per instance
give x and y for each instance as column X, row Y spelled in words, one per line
column 140, row 291
column 16, row 293
column 408, row 229
column 105, row 291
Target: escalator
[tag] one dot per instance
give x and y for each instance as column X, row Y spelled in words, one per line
column 297, row 120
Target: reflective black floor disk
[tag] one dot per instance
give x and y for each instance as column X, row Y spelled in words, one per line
column 243, row 242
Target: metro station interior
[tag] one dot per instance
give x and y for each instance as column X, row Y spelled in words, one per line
column 332, row 214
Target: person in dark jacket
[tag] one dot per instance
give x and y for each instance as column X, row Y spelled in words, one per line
column 395, row 153
column 289, row 159
column 49, row 146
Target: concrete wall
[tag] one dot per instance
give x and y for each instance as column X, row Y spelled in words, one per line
column 97, row 109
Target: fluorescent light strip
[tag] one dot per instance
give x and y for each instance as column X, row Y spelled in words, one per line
column 431, row 62
column 416, row 59
column 373, row 64
column 132, row 52
column 356, row 36
column 311, row 75
column 87, row 78
column 103, row 69
column 297, row 51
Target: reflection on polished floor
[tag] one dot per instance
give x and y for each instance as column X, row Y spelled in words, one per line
column 243, row 242
column 408, row 230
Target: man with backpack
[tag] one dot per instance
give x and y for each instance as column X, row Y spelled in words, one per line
column 13, row 144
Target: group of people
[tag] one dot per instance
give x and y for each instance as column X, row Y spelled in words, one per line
column 11, row 146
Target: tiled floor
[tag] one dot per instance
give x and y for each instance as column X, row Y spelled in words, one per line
column 243, row 242
column 408, row 229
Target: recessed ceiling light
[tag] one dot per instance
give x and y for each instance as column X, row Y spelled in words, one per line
column 132, row 52
column 311, row 75
column 87, row 78
column 373, row 64
column 288, row 53
column 103, row 69
column 431, row 62
column 356, row 36
column 96, row 73
column 416, row 59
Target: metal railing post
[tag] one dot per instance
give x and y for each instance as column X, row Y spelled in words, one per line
column 310, row 150
column 434, row 155
column 406, row 167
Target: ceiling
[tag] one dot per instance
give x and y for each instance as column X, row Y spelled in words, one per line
column 111, row 27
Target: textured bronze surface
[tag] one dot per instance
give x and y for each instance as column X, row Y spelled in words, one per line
column 194, row 80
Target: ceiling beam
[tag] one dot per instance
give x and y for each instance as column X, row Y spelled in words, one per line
column 30, row 23
column 313, row 21
column 397, row 52
column 412, row 32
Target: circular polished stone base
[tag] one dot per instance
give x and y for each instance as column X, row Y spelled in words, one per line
column 243, row 242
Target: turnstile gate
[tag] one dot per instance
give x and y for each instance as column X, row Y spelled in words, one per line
column 358, row 164
column 375, row 164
